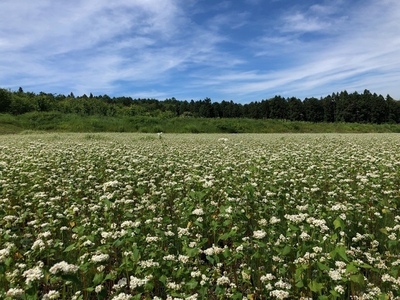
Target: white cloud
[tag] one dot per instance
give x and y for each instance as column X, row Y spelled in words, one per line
column 162, row 47
column 328, row 18
column 228, row 20
column 299, row 22
column 364, row 56
column 97, row 42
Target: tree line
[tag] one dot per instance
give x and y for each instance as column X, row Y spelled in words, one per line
column 353, row 107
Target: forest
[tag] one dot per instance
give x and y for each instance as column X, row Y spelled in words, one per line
column 366, row 107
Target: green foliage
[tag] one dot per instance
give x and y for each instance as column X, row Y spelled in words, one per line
column 5, row 100
column 338, row 107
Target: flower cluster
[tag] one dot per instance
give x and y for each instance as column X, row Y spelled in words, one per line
column 63, row 267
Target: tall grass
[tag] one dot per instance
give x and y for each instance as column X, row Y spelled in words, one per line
column 58, row 122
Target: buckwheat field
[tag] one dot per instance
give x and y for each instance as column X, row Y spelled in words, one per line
column 136, row 216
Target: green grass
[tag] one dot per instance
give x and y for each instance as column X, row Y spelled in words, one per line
column 58, row 122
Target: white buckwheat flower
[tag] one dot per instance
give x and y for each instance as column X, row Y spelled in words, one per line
column 262, row 222
column 4, row 254
column 274, row 220
column 38, row 244
column 110, row 184
column 51, row 295
column 136, row 282
column 305, row 236
column 63, row 267
column 100, row 257
column 267, row 277
column 198, row 212
column 151, row 239
column 339, row 289
column 279, row 294
column 121, row 284
column 335, row 275
column 223, row 280
column 33, row 274
column 259, row 234
column 98, row 288
column 15, row 292
column 122, row 296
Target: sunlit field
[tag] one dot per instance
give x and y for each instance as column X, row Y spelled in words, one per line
column 147, row 216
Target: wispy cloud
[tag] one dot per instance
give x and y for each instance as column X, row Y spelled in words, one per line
column 299, row 22
column 99, row 41
column 365, row 51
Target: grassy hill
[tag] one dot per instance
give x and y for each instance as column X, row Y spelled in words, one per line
column 58, row 122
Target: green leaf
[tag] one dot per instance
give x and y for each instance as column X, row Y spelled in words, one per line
column 70, row 248
column 137, row 297
column 227, row 222
column 198, row 224
column 110, row 276
column 286, row 250
column 226, row 253
column 333, row 253
column 365, row 266
column 237, row 295
column 98, row 278
column 298, row 276
column 197, row 195
column 135, row 254
column 79, row 230
column 8, row 261
column 85, row 267
column 163, row 279
column 342, row 252
column 338, row 223
column 351, row 268
column 357, row 278
column 334, row 294
column 192, row 284
column 322, row 266
column 315, row 286
column 117, row 243
column 334, row 237
column 392, row 244
column 149, row 286
column 225, row 236
column 191, row 252
column 384, row 231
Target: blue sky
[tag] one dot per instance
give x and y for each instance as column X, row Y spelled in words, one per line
column 240, row 50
